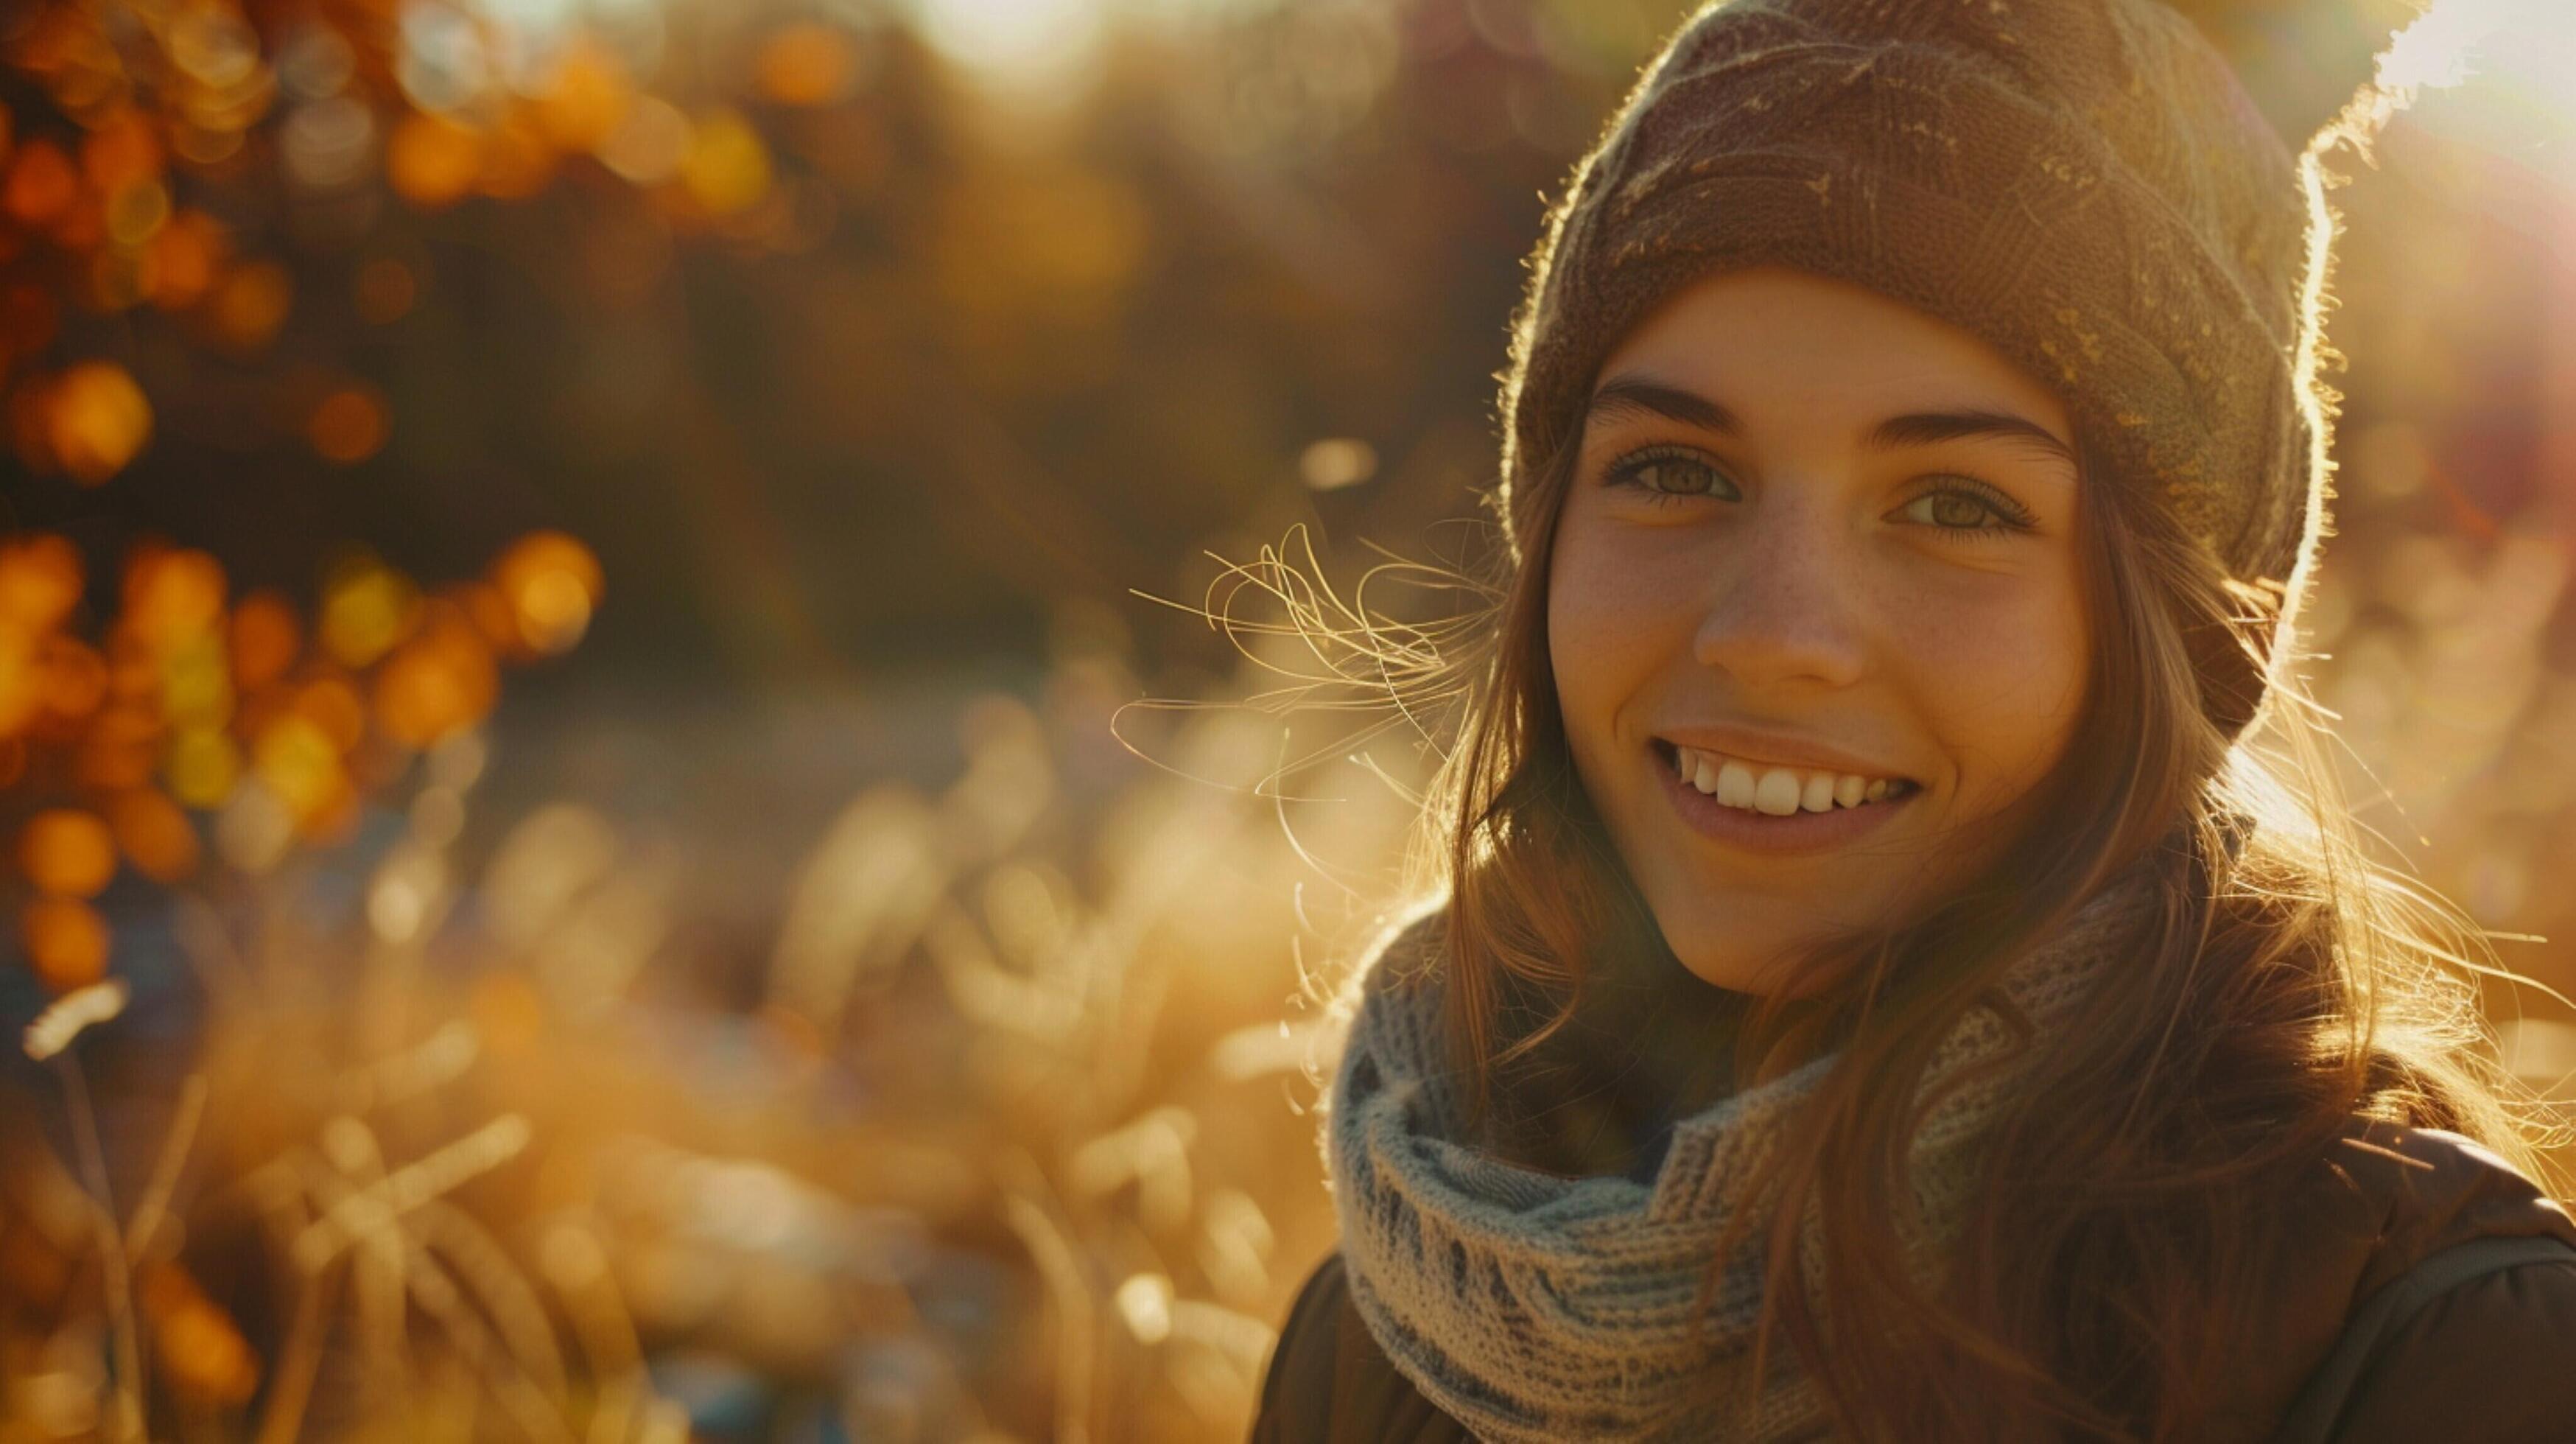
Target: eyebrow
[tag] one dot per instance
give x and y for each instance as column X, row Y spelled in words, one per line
column 1634, row 393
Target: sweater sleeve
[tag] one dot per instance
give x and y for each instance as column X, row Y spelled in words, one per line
column 2491, row 1361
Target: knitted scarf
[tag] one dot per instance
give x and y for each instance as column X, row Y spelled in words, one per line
column 1534, row 1307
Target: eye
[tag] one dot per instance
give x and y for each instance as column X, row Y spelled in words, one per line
column 1670, row 473
column 1962, row 504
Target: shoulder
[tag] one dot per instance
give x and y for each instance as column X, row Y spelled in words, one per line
column 2423, row 1190
column 2485, row 1361
column 1328, row 1380
column 2454, row 1283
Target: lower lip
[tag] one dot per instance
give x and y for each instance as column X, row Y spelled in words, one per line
column 1797, row 834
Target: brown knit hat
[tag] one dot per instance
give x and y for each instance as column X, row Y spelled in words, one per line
column 2083, row 183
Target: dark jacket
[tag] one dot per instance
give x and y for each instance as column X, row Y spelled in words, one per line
column 2488, row 1361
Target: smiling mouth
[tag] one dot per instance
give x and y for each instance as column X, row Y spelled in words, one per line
column 1775, row 791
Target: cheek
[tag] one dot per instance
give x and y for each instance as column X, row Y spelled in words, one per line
column 1607, row 616
column 1999, row 676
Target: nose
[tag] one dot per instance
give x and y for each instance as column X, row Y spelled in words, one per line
column 1785, row 604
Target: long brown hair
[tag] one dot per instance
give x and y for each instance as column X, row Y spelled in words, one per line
column 2289, row 984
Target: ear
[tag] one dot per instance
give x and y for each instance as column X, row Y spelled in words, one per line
column 2302, row 60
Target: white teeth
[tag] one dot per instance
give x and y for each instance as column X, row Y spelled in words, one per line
column 1777, row 791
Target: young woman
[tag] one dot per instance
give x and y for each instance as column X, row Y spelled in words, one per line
column 1878, row 992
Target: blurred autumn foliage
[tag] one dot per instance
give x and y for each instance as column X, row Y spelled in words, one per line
column 824, row 1007
column 193, row 701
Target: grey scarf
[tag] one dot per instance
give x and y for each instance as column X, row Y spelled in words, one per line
column 1533, row 1307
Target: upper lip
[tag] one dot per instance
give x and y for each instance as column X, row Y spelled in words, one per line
column 1779, row 749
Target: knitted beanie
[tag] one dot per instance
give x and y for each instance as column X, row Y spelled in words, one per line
column 2085, row 184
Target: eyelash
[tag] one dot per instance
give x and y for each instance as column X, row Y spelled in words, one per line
column 1628, row 469
column 2009, row 515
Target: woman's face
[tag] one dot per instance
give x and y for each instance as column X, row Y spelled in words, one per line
column 1819, row 553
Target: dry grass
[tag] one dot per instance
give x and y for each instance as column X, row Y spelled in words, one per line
column 1009, row 1139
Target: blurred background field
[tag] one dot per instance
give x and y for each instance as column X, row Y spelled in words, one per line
column 571, row 573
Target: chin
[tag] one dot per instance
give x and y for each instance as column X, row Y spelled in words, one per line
column 1721, row 950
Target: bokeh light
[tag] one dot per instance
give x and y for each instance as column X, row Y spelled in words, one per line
column 1037, row 47
column 726, row 167
column 250, row 304
column 67, row 852
column 97, row 422
column 349, row 425
column 154, row 834
column 66, row 942
column 432, row 160
column 196, row 1343
column 551, row 583
column 809, row 63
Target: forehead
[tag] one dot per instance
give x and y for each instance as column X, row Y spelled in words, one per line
column 1779, row 346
